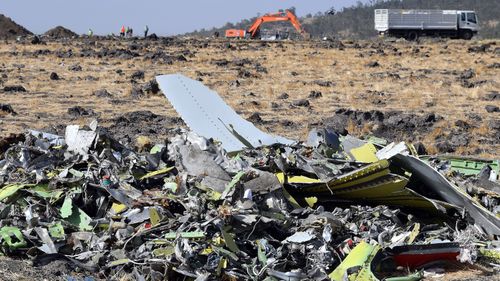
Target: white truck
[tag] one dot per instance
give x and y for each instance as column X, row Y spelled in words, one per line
column 411, row 24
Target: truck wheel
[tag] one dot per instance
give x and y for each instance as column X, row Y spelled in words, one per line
column 412, row 36
column 466, row 35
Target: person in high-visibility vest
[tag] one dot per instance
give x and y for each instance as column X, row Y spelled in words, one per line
column 146, row 30
column 122, row 31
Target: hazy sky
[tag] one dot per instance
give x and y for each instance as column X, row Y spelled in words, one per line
column 164, row 17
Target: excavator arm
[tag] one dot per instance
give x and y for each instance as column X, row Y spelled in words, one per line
column 296, row 23
column 285, row 16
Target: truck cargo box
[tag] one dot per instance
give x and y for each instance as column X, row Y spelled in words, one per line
column 393, row 19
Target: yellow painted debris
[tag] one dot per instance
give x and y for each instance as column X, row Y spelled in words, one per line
column 118, row 208
column 365, row 153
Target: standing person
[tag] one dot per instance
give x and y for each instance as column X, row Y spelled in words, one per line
column 146, row 30
column 91, row 32
column 131, row 33
column 122, row 31
column 127, row 32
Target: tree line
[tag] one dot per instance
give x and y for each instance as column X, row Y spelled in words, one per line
column 357, row 21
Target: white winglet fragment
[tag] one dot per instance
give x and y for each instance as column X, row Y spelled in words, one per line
column 206, row 113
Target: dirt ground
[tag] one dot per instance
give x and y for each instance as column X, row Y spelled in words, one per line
column 435, row 92
column 22, row 270
column 441, row 94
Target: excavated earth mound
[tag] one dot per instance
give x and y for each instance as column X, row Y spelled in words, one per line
column 9, row 29
column 59, row 32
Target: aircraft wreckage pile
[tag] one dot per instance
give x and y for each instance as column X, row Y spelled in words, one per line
column 333, row 208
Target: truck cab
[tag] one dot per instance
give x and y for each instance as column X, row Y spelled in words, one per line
column 467, row 24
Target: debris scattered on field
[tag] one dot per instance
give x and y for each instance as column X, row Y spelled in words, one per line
column 7, row 108
column 492, row 108
column 54, row 76
column 257, row 207
column 77, row 111
column 137, row 75
column 102, row 93
column 75, row 67
column 15, row 88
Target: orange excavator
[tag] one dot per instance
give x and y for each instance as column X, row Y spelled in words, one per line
column 253, row 31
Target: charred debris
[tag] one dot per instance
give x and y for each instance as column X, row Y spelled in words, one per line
column 227, row 201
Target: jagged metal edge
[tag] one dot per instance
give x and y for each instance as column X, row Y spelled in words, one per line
column 234, row 143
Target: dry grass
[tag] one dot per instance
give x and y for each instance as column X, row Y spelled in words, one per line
column 423, row 85
column 482, row 130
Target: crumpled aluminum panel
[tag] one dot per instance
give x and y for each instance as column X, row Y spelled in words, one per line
column 435, row 181
column 206, row 113
column 78, row 140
